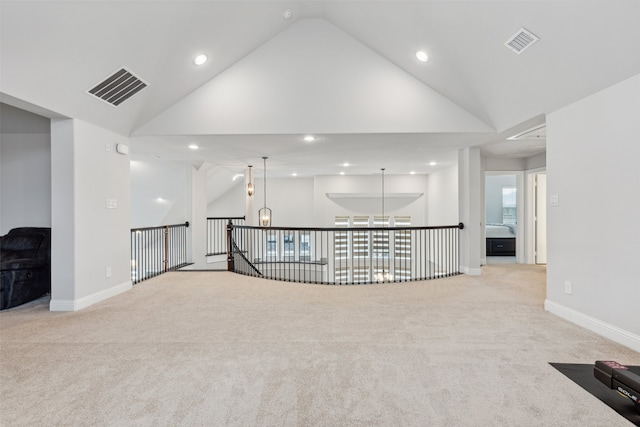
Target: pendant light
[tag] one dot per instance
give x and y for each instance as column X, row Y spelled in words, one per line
column 385, row 276
column 250, row 187
column 382, row 169
column 264, row 214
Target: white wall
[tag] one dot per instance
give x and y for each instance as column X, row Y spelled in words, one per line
column 151, row 180
column 302, row 202
column 503, row 164
column 290, row 200
column 25, row 169
column 326, row 209
column 88, row 238
column 593, row 233
column 232, row 203
column 442, row 197
column 536, row 162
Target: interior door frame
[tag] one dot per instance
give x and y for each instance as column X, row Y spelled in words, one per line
column 530, row 226
column 521, row 217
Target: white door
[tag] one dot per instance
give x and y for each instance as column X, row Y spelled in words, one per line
column 541, row 218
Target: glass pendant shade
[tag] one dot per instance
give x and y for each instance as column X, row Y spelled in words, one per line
column 250, row 188
column 265, row 217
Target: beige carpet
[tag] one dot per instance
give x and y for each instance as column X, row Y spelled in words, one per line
column 218, row 349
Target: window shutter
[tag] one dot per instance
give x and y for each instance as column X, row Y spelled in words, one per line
column 381, row 237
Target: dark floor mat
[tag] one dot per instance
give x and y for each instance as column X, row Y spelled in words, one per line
column 583, row 376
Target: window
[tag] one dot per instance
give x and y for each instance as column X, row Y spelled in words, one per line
column 380, row 237
column 509, row 201
column 288, row 247
column 272, row 245
column 402, row 249
column 360, row 238
column 341, row 238
column 341, row 250
column 305, row 246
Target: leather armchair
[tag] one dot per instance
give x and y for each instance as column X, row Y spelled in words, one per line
column 25, row 265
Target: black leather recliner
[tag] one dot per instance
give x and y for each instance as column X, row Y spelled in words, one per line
column 25, row 265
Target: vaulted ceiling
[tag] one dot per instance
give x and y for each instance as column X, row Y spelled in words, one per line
column 343, row 71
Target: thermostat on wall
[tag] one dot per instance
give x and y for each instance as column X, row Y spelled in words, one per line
column 122, row 149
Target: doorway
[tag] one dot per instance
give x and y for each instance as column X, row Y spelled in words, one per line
column 503, row 199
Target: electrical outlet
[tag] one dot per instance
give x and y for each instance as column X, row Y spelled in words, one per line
column 567, row 287
column 108, row 271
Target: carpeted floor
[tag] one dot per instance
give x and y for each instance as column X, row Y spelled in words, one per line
column 217, row 349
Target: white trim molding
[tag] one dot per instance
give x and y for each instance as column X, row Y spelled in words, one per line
column 79, row 304
column 611, row 332
column 470, row 271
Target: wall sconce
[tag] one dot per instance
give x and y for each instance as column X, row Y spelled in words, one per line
column 250, row 188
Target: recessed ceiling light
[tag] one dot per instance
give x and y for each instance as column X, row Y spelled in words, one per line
column 287, row 14
column 294, row 174
column 309, row 138
column 346, row 164
column 160, row 200
column 422, row 56
column 412, row 172
column 200, row 59
column 342, row 173
column 193, row 146
column 432, row 163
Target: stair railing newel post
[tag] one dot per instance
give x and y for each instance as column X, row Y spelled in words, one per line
column 166, row 248
column 230, row 263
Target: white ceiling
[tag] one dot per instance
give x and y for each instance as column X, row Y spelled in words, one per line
column 343, row 70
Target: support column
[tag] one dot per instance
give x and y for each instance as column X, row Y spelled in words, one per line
column 198, row 222
column 469, row 206
column 90, row 215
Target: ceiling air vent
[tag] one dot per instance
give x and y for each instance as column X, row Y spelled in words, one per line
column 536, row 132
column 521, row 40
column 118, row 87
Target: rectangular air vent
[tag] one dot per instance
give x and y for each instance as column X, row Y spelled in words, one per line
column 521, row 41
column 536, row 132
column 118, row 87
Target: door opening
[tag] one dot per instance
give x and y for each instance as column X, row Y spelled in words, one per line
column 501, row 218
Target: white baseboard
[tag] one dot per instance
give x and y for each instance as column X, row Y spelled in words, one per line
column 614, row 333
column 79, row 304
column 471, row 271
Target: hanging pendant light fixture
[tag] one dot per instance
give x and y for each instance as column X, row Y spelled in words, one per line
column 382, row 169
column 250, row 187
column 385, row 276
column 264, row 214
